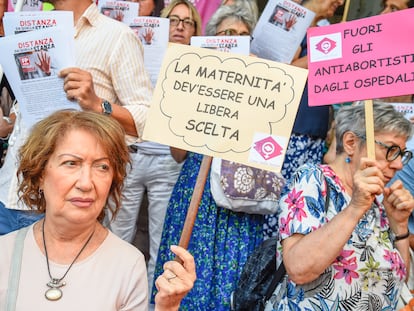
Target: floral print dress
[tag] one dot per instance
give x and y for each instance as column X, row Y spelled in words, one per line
column 369, row 271
column 221, row 241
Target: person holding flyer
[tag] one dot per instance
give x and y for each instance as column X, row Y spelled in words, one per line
column 110, row 79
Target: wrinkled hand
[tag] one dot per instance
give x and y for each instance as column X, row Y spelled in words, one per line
column 78, row 85
column 176, row 281
column 44, row 62
column 148, row 35
column 399, row 204
column 368, row 182
column 290, row 22
column 119, row 16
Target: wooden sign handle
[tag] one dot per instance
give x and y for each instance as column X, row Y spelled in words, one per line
column 195, row 202
column 346, row 10
column 369, row 128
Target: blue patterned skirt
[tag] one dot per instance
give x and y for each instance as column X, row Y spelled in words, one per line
column 221, row 241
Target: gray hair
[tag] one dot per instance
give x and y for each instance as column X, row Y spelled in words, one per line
column 235, row 11
column 250, row 5
column 351, row 118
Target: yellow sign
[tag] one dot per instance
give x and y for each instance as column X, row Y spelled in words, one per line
column 235, row 107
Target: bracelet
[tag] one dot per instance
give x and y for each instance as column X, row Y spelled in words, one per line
column 8, row 120
column 402, row 236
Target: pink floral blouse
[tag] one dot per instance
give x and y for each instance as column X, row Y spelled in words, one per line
column 369, row 271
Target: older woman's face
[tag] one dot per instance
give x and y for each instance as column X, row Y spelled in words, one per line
column 183, row 31
column 77, row 178
column 394, row 5
column 389, row 168
column 232, row 27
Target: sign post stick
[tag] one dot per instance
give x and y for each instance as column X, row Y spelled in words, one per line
column 195, row 201
column 346, row 10
column 369, row 128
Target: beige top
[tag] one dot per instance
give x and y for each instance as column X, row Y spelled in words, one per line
column 112, row 278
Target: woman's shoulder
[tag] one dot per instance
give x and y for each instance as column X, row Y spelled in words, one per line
column 7, row 243
column 115, row 243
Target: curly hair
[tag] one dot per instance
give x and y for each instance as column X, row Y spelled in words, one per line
column 46, row 136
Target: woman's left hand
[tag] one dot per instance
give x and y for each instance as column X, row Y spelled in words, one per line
column 399, row 204
column 176, row 281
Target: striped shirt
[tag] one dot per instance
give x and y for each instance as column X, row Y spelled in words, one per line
column 114, row 56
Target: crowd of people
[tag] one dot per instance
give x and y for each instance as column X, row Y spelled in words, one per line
column 72, row 186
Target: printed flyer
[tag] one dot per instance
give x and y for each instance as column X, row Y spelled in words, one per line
column 17, row 22
column 280, row 30
column 122, row 11
column 31, row 62
column 153, row 33
column 232, row 44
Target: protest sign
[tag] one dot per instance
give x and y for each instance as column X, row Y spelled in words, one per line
column 362, row 59
column 238, row 108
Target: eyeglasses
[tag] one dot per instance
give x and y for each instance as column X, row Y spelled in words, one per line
column 393, row 151
column 232, row 32
column 188, row 23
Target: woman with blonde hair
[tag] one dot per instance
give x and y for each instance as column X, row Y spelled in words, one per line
column 185, row 21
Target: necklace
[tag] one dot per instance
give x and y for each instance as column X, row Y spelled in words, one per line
column 54, row 292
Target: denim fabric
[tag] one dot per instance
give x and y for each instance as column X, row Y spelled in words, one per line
column 11, row 219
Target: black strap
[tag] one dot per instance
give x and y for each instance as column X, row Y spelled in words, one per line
column 328, row 192
column 281, row 271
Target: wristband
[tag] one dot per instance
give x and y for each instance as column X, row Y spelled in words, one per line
column 402, row 236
